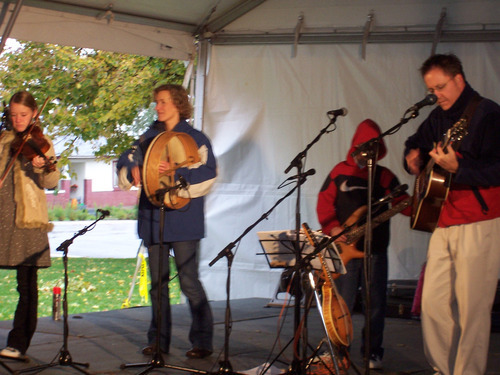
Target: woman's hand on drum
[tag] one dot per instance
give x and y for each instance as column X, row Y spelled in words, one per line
column 164, row 166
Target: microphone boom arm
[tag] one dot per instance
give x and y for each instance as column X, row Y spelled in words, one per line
column 370, row 144
column 297, row 161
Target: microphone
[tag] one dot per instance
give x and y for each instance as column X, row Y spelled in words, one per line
column 398, row 190
column 337, row 112
column 430, row 99
column 104, row 213
column 310, row 172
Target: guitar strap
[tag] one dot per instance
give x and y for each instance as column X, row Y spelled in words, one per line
column 467, row 116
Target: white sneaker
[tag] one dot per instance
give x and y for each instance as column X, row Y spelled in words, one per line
column 10, row 352
column 375, row 362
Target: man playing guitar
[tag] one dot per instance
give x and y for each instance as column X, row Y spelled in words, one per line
column 463, row 259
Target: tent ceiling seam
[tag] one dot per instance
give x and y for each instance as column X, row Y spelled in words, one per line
column 96, row 12
column 232, row 14
column 357, row 37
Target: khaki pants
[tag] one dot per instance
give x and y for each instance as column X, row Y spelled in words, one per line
column 463, row 264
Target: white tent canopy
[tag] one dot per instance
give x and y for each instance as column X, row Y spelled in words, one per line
column 268, row 73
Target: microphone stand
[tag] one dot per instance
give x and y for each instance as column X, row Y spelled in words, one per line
column 225, row 365
column 157, row 360
column 369, row 151
column 64, row 354
column 297, row 161
column 369, row 145
column 298, row 365
column 226, row 252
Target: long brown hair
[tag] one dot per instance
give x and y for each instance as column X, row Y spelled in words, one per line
column 24, row 98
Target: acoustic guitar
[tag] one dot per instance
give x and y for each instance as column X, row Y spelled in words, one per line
column 433, row 184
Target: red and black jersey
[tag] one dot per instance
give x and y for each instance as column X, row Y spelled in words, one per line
column 346, row 189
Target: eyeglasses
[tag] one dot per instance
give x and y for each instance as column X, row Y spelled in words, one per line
column 440, row 87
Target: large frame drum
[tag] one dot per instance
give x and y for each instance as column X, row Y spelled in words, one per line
column 180, row 150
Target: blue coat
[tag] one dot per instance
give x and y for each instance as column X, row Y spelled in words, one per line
column 188, row 222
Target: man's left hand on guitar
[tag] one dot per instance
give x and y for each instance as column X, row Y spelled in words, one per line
column 447, row 160
column 337, row 230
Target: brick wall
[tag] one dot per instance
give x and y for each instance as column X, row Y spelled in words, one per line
column 108, row 198
column 62, row 196
column 91, row 198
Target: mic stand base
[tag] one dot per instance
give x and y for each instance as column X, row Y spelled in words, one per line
column 157, row 359
column 64, row 355
column 158, row 362
column 64, row 360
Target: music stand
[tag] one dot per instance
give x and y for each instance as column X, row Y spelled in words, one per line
column 279, row 249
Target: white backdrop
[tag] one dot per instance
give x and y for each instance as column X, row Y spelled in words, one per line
column 263, row 107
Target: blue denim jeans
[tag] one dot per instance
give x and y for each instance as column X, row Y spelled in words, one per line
column 186, row 260
column 348, row 286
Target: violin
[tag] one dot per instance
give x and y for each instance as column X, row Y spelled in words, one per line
column 32, row 143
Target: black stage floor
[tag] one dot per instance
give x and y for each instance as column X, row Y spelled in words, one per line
column 106, row 340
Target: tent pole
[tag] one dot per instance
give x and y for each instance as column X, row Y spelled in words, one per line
column 201, row 74
column 10, row 24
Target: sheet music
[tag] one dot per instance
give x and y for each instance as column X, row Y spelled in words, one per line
column 278, row 246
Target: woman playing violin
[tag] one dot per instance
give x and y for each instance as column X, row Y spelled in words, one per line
column 24, row 220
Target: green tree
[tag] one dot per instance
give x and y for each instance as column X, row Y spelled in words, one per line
column 92, row 94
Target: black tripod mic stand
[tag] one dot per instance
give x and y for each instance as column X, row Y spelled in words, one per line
column 157, row 360
column 369, row 152
column 64, row 358
column 298, row 363
column 225, row 365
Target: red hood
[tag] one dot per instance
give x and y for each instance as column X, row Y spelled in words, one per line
column 366, row 130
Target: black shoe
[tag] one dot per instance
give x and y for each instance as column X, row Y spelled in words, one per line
column 198, row 353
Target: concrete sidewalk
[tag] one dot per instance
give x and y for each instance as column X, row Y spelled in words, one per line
column 106, row 239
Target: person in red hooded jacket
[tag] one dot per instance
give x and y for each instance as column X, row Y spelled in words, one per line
column 344, row 191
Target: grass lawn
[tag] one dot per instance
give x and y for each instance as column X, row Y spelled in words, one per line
column 94, row 284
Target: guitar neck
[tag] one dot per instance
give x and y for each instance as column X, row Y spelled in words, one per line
column 453, row 137
column 314, row 242
column 356, row 233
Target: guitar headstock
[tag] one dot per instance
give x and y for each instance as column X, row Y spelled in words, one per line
column 309, row 235
column 455, row 134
